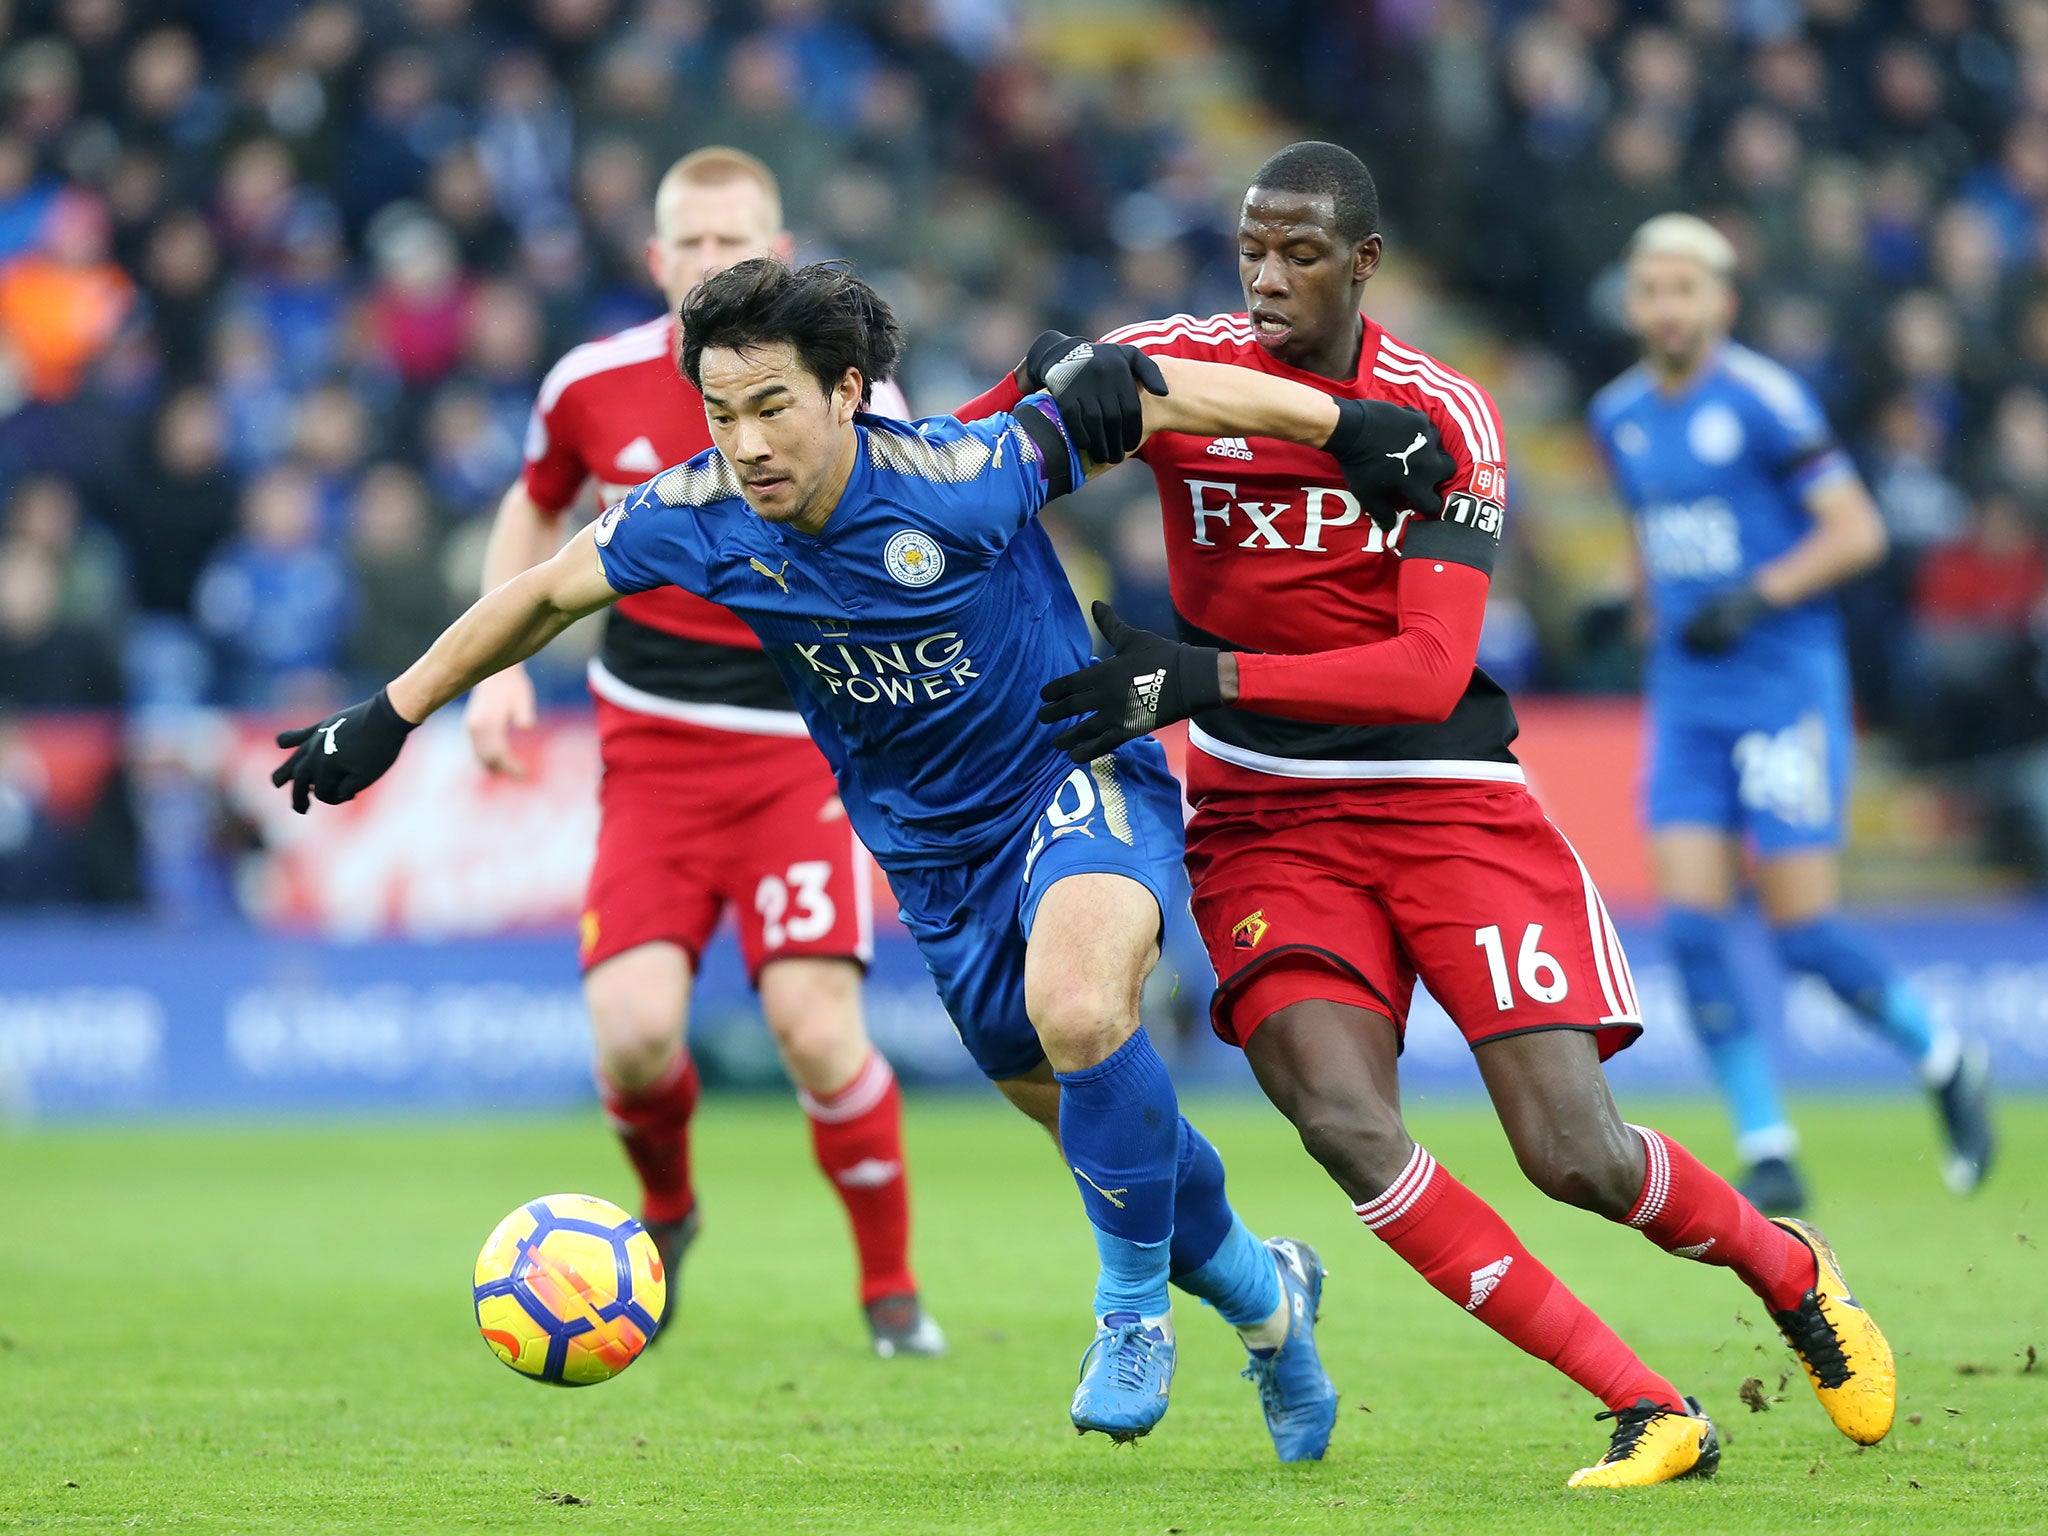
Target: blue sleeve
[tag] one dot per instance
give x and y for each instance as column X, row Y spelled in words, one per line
column 1601, row 431
column 1790, row 431
column 643, row 542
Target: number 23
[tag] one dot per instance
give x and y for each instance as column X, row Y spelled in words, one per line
column 815, row 910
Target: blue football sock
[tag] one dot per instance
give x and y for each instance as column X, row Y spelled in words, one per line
column 1120, row 1130
column 1215, row 1255
column 1736, row 1053
column 1201, row 1213
column 1829, row 948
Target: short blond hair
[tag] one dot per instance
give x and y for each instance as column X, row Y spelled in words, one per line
column 1682, row 234
column 718, row 165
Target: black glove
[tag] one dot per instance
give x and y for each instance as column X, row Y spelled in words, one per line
column 1096, row 384
column 1724, row 619
column 1392, row 459
column 1149, row 682
column 343, row 755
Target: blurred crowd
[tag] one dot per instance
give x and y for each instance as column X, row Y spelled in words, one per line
column 278, row 281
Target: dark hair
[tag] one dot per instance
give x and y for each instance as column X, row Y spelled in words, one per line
column 1332, row 171
column 833, row 319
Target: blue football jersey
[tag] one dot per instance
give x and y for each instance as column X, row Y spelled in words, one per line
column 914, row 630
column 1715, row 477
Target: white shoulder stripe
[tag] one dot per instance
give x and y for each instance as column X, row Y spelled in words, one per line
column 1184, row 328
column 1773, row 384
column 1458, row 384
column 1472, row 393
column 1456, row 404
column 639, row 344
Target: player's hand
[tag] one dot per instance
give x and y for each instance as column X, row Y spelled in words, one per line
column 1096, row 384
column 1392, row 458
column 499, row 705
column 343, row 755
column 1724, row 619
column 1150, row 681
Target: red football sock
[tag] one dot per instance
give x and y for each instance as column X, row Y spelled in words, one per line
column 654, row 1125
column 857, row 1134
column 1460, row 1246
column 1688, row 1209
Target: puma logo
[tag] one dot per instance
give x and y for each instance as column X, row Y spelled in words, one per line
column 1108, row 1194
column 1420, row 439
column 329, row 732
column 774, row 576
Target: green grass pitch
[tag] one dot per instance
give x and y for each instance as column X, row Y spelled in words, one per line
column 269, row 1329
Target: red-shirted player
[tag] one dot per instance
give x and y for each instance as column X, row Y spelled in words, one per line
column 1360, row 820
column 713, row 794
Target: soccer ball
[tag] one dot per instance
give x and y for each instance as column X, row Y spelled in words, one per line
column 569, row 1289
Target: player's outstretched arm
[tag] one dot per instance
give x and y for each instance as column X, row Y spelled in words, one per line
column 349, row 751
column 523, row 534
column 1392, row 457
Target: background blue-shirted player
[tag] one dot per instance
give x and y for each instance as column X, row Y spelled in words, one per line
column 1748, row 515
column 899, row 580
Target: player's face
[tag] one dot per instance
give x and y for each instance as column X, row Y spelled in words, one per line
column 1301, row 282
column 700, row 231
column 789, row 437
column 1677, row 309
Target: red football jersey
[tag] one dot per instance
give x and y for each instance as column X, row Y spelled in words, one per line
column 617, row 412
column 1267, row 551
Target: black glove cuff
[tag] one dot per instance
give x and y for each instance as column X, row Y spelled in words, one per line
column 1030, row 374
column 1201, row 679
column 1347, row 440
column 386, row 716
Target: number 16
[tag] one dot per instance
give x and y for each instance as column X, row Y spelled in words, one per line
column 1540, row 974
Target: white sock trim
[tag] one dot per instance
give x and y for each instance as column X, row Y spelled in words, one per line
column 870, row 1084
column 1394, row 1202
column 1944, row 1055
column 1779, row 1141
column 1657, row 1184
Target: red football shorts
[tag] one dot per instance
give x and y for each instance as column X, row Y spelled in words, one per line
column 696, row 819
column 1467, row 886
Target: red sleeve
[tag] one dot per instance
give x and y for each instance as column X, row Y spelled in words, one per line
column 1417, row 675
column 1000, row 396
column 554, row 472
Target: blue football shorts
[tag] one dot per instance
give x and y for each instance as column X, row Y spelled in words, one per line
column 1777, row 777
column 1120, row 815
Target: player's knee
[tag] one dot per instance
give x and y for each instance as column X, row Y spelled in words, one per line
column 1595, row 1169
column 1360, row 1144
column 1082, row 1020
column 637, row 1034
column 813, row 1011
column 635, row 1047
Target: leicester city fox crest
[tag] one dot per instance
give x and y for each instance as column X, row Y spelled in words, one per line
column 913, row 558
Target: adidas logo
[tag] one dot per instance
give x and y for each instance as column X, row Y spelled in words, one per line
column 1230, row 448
column 638, row 458
column 868, row 1173
column 1487, row 1280
column 1145, row 691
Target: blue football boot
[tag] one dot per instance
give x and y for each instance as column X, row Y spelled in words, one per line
column 1299, row 1400
column 1125, row 1377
